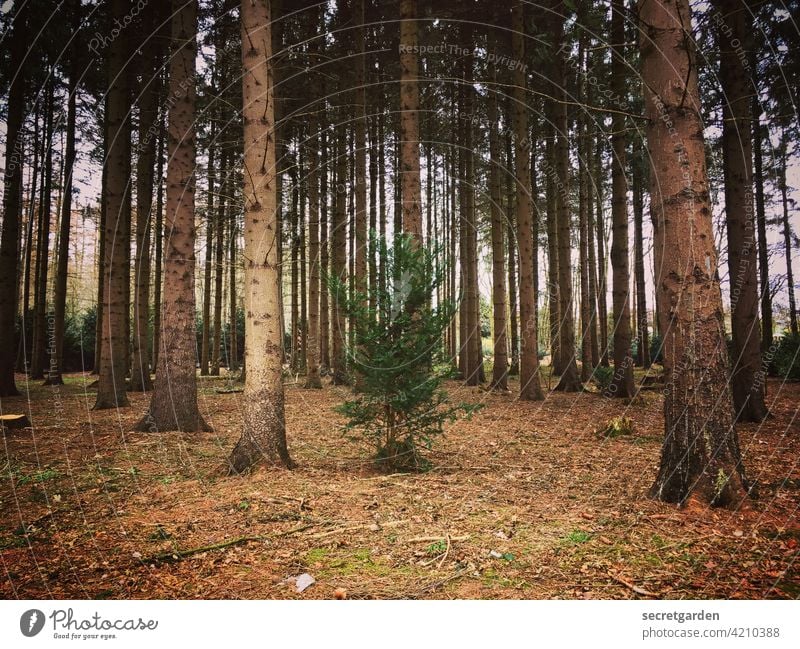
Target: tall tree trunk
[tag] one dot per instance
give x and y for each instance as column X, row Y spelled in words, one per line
column 56, row 345
column 205, row 337
column 264, row 433
column 324, row 257
column 174, row 402
column 40, row 316
column 114, row 348
column 583, row 219
column 761, row 216
column 338, row 252
column 530, row 389
column 700, row 459
column 224, row 211
column 643, row 335
column 512, row 255
column 747, row 374
column 602, row 261
column 158, row 230
column 360, row 144
column 23, row 354
column 12, row 205
column 622, row 381
column 552, row 248
column 570, row 380
column 500, row 365
column 409, row 120
column 787, row 233
column 312, row 347
column 101, row 250
column 294, row 241
column 233, row 334
column 148, row 114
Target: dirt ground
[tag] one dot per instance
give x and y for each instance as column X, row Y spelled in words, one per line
column 525, row 500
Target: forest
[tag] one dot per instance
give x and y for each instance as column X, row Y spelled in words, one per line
column 399, row 299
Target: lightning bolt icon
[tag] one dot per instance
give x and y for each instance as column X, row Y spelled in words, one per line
column 32, row 620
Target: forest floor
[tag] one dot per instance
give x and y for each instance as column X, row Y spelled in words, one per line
column 525, row 500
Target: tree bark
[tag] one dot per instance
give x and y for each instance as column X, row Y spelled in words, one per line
column 224, row 211
column 761, row 217
column 409, row 121
column 158, row 233
column 312, row 348
column 264, row 433
column 787, row 232
column 643, row 335
column 500, row 365
column 747, row 373
column 114, row 344
column 570, row 380
column 205, row 336
column 56, row 343
column 12, row 204
column 622, row 380
column 530, row 389
column 173, row 405
column 700, row 458
column 148, row 114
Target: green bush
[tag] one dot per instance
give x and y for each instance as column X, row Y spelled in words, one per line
column 656, row 349
column 785, row 361
column 398, row 402
column 602, row 376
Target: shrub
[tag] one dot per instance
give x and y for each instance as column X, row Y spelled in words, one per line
column 602, row 376
column 656, row 349
column 398, row 402
column 785, row 361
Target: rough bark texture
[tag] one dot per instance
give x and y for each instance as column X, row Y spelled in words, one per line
column 643, row 334
column 12, row 205
column 324, row 257
column 700, row 457
column 148, row 113
column 569, row 381
column 409, row 120
column 173, row 405
column 787, row 234
column 205, row 336
column 602, row 261
column 40, row 324
column 224, row 211
column 312, row 346
column 114, row 342
column 500, row 365
column 622, row 381
column 158, row 234
column 747, row 373
column 339, row 262
column 761, row 216
column 530, row 389
column 56, row 344
column 264, row 433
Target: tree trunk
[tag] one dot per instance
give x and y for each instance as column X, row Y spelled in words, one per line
column 530, row 389
column 312, row 347
column 761, row 217
column 643, row 335
column 148, row 114
column 114, row 347
column 158, row 231
column 512, row 255
column 224, row 210
column 622, row 381
column 40, row 316
column 700, row 459
column 602, row 262
column 500, row 365
column 339, row 250
column 787, row 233
column 264, row 433
column 747, row 373
column 324, row 258
column 360, row 144
column 409, row 120
column 174, row 402
column 205, row 338
column 12, row 206
column 570, row 380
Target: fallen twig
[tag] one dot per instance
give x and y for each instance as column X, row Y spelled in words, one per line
column 177, row 555
column 441, row 582
column 433, row 539
column 636, row 589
